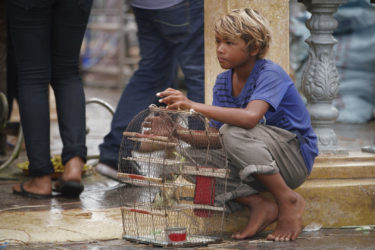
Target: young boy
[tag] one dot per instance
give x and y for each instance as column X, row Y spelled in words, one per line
column 264, row 125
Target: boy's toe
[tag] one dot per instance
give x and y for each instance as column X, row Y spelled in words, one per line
column 237, row 236
column 284, row 238
column 270, row 237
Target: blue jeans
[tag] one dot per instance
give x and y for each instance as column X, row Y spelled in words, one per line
column 46, row 36
column 166, row 37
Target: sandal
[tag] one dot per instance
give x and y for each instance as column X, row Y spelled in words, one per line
column 68, row 188
column 26, row 193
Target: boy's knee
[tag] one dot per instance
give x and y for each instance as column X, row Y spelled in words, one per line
column 229, row 134
column 246, row 143
column 232, row 135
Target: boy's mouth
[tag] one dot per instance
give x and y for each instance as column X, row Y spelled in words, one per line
column 220, row 59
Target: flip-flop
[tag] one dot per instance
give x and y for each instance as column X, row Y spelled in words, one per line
column 25, row 193
column 68, row 188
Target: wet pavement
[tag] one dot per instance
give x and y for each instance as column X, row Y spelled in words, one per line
column 94, row 220
column 327, row 239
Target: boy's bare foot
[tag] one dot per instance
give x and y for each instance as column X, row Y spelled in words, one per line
column 38, row 185
column 289, row 223
column 263, row 212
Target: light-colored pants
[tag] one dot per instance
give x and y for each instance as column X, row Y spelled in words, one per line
column 263, row 149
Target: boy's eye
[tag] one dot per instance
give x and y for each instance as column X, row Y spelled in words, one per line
column 229, row 43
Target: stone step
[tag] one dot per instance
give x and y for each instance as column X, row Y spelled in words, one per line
column 331, row 203
column 352, row 156
column 339, row 192
column 339, row 202
column 353, row 165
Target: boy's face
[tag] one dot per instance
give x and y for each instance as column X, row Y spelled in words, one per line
column 232, row 53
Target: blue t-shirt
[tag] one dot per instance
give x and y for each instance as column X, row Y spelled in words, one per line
column 270, row 83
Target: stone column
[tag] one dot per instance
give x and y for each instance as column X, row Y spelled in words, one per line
column 320, row 78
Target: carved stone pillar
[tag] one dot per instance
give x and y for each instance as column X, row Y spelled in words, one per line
column 320, row 78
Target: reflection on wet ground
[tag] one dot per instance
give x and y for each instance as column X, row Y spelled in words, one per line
column 94, row 220
column 99, row 193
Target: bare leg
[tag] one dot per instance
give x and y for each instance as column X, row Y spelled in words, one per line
column 263, row 213
column 73, row 169
column 37, row 185
column 291, row 206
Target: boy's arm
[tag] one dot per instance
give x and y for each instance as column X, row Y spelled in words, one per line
column 162, row 126
column 199, row 138
column 245, row 118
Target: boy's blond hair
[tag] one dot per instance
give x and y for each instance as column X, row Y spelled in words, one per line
column 248, row 25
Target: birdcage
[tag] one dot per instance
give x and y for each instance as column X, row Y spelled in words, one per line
column 176, row 169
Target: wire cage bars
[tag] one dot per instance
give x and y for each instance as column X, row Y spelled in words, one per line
column 176, row 169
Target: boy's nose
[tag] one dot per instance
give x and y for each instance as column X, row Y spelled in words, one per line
column 220, row 48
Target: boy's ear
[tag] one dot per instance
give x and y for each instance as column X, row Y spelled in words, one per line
column 254, row 51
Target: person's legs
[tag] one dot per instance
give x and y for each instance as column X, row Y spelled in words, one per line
column 268, row 160
column 29, row 28
column 190, row 52
column 153, row 75
column 291, row 206
column 263, row 212
column 69, row 20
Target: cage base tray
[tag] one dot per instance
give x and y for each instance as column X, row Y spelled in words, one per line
column 191, row 241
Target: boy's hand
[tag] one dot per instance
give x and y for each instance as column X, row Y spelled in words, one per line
column 159, row 125
column 174, row 99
